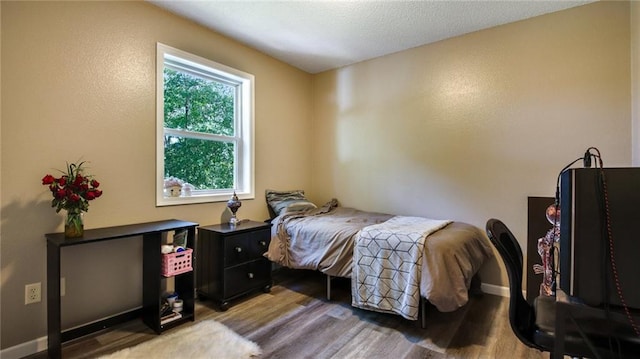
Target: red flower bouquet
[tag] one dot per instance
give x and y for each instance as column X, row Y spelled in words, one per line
column 72, row 192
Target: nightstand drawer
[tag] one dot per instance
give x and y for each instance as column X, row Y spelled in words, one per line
column 246, row 277
column 245, row 247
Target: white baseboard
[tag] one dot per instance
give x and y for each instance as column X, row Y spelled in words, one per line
column 495, row 289
column 42, row 343
column 24, row 349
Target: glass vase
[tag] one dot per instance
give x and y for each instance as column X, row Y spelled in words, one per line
column 73, row 225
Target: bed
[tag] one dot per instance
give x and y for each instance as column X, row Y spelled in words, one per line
column 327, row 239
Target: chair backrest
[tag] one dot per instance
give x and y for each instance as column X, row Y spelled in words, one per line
column 521, row 313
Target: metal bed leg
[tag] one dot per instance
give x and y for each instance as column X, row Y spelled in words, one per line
column 328, row 287
column 423, row 312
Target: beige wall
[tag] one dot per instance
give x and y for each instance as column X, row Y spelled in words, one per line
column 467, row 128
column 78, row 81
column 635, row 82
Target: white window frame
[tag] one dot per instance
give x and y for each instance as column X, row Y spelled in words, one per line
column 244, row 185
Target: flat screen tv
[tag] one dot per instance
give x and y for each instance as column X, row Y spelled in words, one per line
column 585, row 265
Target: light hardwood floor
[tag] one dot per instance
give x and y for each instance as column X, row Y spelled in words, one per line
column 296, row 321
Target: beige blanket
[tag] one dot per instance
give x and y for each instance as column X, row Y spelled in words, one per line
column 319, row 239
column 323, row 240
column 452, row 256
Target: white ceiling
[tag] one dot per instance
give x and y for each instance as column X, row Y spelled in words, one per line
column 316, row 35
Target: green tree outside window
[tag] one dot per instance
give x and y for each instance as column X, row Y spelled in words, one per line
column 199, row 123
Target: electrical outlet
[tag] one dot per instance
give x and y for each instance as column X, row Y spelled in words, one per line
column 32, row 293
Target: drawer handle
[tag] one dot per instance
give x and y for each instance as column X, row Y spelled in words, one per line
column 238, row 249
column 250, row 275
column 263, row 243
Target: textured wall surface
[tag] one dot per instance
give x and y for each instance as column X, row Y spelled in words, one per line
column 469, row 127
column 465, row 129
column 78, row 82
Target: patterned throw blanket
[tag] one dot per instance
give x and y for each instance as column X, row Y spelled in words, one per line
column 387, row 263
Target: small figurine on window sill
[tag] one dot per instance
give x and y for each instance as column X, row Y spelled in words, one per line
column 187, row 189
column 173, row 186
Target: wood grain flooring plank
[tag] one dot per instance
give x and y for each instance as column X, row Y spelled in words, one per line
column 296, row 321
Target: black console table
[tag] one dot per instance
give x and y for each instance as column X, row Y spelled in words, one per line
column 151, row 292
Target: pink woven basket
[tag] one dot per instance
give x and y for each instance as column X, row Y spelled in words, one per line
column 176, row 263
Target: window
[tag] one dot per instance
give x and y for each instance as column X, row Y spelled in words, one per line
column 204, row 130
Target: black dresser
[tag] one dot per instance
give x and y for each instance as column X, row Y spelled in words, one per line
column 230, row 261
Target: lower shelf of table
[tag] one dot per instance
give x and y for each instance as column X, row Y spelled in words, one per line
column 93, row 327
column 81, row 331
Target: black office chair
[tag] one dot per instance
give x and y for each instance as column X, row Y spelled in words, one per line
column 535, row 325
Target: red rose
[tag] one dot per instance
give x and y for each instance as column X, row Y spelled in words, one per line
column 60, row 193
column 72, row 190
column 79, row 179
column 48, row 179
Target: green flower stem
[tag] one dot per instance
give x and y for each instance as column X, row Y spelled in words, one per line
column 73, row 226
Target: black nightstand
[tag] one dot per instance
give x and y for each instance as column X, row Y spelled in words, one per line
column 230, row 261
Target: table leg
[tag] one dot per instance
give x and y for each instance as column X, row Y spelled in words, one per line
column 54, row 317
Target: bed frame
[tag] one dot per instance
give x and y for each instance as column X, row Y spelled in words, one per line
column 454, row 241
column 474, row 289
